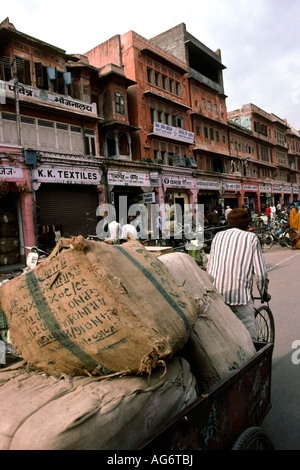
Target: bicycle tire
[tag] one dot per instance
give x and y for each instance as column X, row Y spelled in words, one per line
column 266, row 241
column 265, row 324
column 291, row 238
column 253, row 438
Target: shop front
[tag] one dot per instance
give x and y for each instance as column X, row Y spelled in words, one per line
column 296, row 192
column 132, row 191
column 265, row 193
column 178, row 199
column 232, row 194
column 16, row 208
column 251, row 197
column 66, row 202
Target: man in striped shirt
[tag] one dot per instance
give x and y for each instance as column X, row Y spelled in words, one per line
column 235, row 258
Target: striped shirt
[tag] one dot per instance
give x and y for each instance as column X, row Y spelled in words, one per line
column 235, row 259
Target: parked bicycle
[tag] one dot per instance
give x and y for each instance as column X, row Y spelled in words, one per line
column 265, row 237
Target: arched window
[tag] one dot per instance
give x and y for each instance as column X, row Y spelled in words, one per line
column 110, row 144
column 123, row 144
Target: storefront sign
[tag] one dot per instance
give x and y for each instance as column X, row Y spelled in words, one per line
column 286, row 189
column 296, row 190
column 123, row 178
column 171, row 132
column 277, row 188
column 177, row 182
column 265, row 188
column 231, row 186
column 27, row 93
column 46, row 174
column 250, row 187
column 148, row 198
column 208, row 185
column 9, row 171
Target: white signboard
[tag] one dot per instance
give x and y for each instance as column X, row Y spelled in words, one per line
column 171, row 132
column 286, row 189
column 232, row 186
column 123, row 178
column 47, row 174
column 277, row 188
column 250, row 187
column 9, row 171
column 265, row 188
column 177, row 182
column 29, row 93
column 148, row 198
column 209, row 185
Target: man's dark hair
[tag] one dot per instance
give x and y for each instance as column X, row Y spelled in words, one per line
column 238, row 218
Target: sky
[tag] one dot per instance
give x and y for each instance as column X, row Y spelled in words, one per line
column 259, row 39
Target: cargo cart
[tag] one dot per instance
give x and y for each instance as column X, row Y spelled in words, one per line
column 227, row 416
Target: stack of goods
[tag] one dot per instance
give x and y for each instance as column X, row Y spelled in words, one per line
column 107, row 335
column 9, row 239
column 112, row 317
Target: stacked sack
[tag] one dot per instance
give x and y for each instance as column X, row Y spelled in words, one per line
column 113, row 338
column 100, row 325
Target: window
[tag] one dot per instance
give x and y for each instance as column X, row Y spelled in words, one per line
column 203, row 104
column 206, row 132
column 23, row 71
column 209, row 106
column 89, row 142
column 212, row 134
column 178, row 89
column 120, row 103
column 149, row 75
column 217, row 136
column 41, row 76
column 157, row 78
column 165, row 82
column 215, row 109
column 172, row 85
column 198, row 131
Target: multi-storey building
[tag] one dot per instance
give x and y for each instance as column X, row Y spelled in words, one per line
column 143, row 119
column 274, row 159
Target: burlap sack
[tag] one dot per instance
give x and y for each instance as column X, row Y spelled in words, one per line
column 94, row 308
column 82, row 413
column 219, row 341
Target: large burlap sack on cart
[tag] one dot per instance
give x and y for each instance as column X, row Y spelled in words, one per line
column 219, row 341
column 95, row 308
column 41, row 412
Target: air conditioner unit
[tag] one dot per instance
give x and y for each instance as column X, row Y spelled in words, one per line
column 178, row 160
column 191, row 162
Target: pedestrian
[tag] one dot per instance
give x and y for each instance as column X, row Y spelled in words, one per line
column 227, row 210
column 273, row 210
column 114, row 229
column 268, row 212
column 158, row 225
column 128, row 232
column 214, row 217
column 294, row 222
column 102, row 226
column 234, row 259
column 278, row 208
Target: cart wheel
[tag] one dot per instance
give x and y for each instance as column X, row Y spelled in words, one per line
column 265, row 324
column 253, row 439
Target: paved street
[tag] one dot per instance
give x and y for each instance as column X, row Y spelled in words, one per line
column 283, row 421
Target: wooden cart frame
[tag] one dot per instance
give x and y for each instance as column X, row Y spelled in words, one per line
column 229, row 410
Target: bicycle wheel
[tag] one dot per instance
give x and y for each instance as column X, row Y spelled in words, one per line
column 291, row 238
column 266, row 240
column 253, row 438
column 265, row 324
